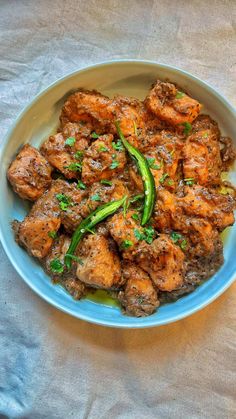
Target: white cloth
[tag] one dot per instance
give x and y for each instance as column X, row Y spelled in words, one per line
column 52, row 365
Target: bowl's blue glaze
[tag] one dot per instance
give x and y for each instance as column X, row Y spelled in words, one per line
column 40, row 118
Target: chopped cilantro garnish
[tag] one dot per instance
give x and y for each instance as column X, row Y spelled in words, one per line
column 175, row 236
column 56, row 266
column 205, row 135
column 163, row 177
column 189, row 181
column 139, row 234
column 135, row 216
column 74, row 167
column 179, row 95
column 170, row 182
column 52, row 234
column 114, row 164
column 70, row 141
column 64, row 200
column 183, row 244
column 187, row 128
column 118, row 145
column 95, row 197
column 106, row 182
column 102, row 148
column 126, row 244
column 94, row 135
column 78, row 155
column 152, row 164
column 149, row 234
column 81, row 185
column 179, row 239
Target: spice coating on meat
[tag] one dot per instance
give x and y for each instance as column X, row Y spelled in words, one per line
column 30, row 173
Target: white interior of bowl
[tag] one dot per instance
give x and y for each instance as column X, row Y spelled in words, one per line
column 40, row 119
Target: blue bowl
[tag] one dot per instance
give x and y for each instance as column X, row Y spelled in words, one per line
column 40, row 118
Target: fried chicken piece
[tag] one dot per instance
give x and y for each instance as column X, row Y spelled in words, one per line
column 139, row 297
column 168, row 104
column 99, row 113
column 208, row 204
column 163, row 261
column 227, row 152
column 102, row 160
column 62, row 156
column 122, row 228
column 100, row 266
column 66, row 278
column 30, row 173
column 202, row 160
column 204, row 123
column 89, row 107
column 101, row 194
column 33, row 232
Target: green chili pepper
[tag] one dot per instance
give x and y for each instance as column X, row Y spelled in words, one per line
column 147, row 177
column 89, row 222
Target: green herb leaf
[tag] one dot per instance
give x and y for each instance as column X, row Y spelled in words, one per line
column 79, row 154
column 70, row 141
column 189, row 181
column 135, row 216
column 56, row 266
column 95, row 197
column 139, row 234
column 114, row 164
column 64, row 200
column 135, row 128
column 149, row 234
column 152, row 164
column 175, row 236
column 205, row 135
column 187, row 128
column 75, row 167
column 52, row 234
column 118, row 145
column 179, row 239
column 170, row 182
column 106, row 182
column 183, row 244
column 80, row 185
column 94, row 135
column 179, row 95
column 126, row 244
column 102, row 148
column 163, row 177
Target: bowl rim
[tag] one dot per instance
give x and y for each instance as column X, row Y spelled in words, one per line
column 86, row 317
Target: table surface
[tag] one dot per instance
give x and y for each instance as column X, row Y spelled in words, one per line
column 52, row 365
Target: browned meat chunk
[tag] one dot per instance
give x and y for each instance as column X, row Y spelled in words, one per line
column 202, row 161
column 36, row 230
column 123, row 228
column 228, row 152
column 98, row 112
column 29, row 174
column 64, row 157
column 205, row 203
column 139, row 297
column 54, row 266
column 172, row 106
column 100, row 266
column 102, row 160
column 163, row 261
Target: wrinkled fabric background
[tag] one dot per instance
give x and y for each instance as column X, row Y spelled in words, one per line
column 52, row 365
